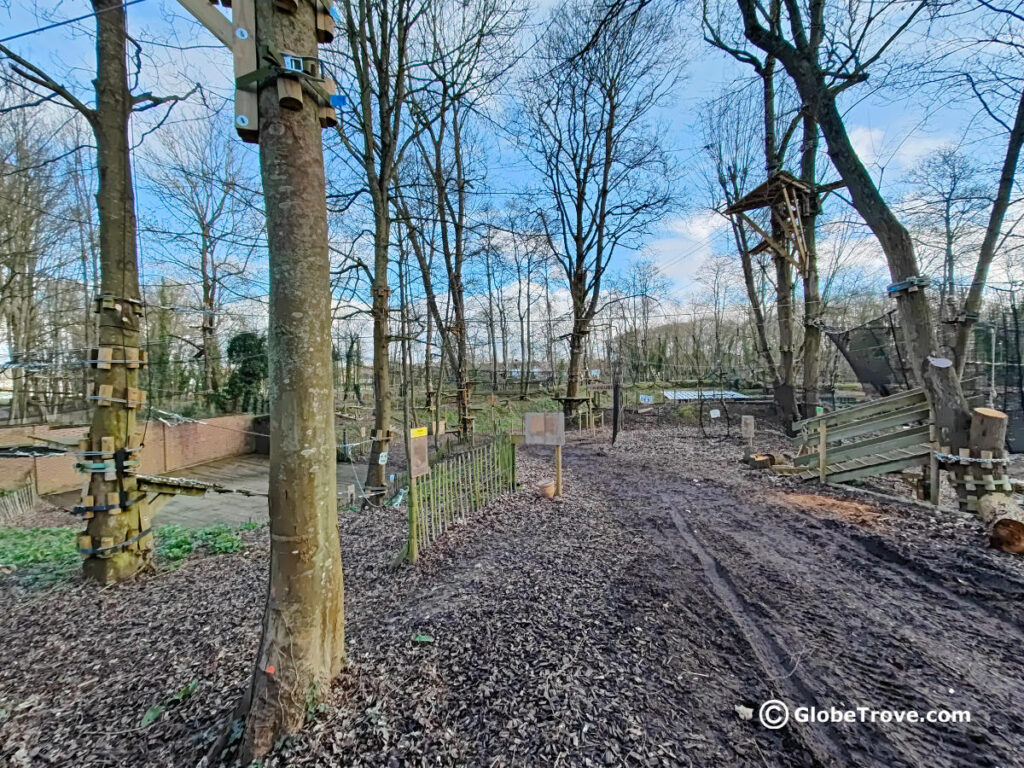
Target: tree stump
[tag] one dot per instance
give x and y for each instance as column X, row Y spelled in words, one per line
column 982, row 484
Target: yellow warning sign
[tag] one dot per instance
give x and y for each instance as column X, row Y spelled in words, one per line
column 418, row 432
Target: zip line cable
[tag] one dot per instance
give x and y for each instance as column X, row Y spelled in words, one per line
column 56, row 24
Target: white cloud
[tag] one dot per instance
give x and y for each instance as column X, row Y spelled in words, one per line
column 688, row 241
column 893, row 148
column 867, row 143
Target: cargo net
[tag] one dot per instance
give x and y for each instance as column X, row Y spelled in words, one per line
column 994, row 371
column 875, row 352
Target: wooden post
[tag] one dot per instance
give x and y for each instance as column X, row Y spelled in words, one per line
column 558, row 470
column 463, row 486
column 933, row 476
column 449, row 496
column 822, row 451
column 413, row 526
column 515, row 477
column 476, row 478
column 616, row 409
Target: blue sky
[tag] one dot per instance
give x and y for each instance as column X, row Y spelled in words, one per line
column 888, row 133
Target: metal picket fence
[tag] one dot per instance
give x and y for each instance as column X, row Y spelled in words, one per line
column 455, row 488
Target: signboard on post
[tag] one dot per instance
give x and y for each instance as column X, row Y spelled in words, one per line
column 419, row 461
column 544, row 428
column 646, row 399
column 547, row 429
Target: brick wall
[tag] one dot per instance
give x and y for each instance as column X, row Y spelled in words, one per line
column 166, row 449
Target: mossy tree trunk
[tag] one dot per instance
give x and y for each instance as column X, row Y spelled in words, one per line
column 119, row 320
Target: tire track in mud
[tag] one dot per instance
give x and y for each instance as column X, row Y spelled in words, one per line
column 765, row 647
column 831, row 610
column 875, row 649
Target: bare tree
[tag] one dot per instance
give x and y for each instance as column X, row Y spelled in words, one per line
column 302, row 644
column 29, row 198
column 731, row 135
column 466, row 53
column 999, row 92
column 821, row 70
column 946, row 211
column 208, row 223
column 587, row 121
column 375, row 52
column 129, row 542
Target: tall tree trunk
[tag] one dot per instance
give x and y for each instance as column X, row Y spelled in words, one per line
column 376, row 470
column 940, row 380
column 764, row 350
column 528, row 335
column 492, row 335
column 811, row 354
column 574, row 371
column 785, row 393
column 121, row 317
column 303, row 642
column 427, row 355
column 972, row 304
column 549, row 328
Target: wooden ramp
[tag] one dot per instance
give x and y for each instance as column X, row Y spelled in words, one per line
column 880, row 436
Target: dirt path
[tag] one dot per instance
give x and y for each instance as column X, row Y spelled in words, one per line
column 619, row 626
column 904, row 612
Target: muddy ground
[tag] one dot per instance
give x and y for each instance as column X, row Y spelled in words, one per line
column 630, row 623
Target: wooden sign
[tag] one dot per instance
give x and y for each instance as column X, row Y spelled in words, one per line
column 492, row 400
column 419, row 461
column 438, row 427
column 544, row 428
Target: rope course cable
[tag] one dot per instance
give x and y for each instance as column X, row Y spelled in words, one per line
column 57, row 24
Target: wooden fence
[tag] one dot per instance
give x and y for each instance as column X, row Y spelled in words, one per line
column 456, row 487
column 873, row 438
column 15, row 502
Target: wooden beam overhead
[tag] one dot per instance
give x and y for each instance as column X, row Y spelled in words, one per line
column 215, row 21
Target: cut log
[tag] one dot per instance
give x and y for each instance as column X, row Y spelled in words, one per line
column 760, row 461
column 997, row 510
column 1008, row 536
column 988, row 431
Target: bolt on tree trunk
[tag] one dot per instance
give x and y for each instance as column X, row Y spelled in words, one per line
column 113, row 422
column 302, row 646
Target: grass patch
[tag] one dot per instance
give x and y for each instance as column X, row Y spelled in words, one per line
column 46, row 555
column 176, row 542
